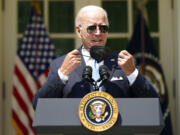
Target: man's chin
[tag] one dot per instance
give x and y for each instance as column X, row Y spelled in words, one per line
column 98, row 45
column 89, row 46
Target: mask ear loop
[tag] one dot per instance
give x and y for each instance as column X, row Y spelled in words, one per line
column 83, row 54
column 80, row 27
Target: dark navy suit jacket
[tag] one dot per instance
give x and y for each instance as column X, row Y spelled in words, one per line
column 76, row 87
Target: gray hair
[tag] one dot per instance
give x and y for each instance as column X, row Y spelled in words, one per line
column 86, row 9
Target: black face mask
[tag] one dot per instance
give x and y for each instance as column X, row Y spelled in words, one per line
column 99, row 53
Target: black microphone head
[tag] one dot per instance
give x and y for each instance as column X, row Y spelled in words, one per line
column 87, row 74
column 104, row 74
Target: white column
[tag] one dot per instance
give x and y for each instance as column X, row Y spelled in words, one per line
column 167, row 49
column 1, row 76
column 10, row 46
column 177, row 7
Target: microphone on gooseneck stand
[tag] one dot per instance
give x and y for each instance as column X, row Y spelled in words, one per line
column 87, row 74
column 104, row 74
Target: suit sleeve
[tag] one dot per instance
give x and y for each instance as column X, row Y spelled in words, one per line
column 52, row 88
column 142, row 88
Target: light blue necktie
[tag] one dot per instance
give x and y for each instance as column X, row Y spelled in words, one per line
column 95, row 74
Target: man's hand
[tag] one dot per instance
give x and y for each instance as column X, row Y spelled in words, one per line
column 71, row 61
column 126, row 62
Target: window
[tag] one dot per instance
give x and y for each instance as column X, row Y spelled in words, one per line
column 59, row 18
column 122, row 16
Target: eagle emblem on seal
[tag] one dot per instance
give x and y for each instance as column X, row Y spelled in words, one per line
column 97, row 112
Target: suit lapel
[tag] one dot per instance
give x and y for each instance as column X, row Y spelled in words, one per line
column 110, row 62
column 80, row 69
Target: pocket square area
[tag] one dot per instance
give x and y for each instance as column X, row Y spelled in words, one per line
column 116, row 78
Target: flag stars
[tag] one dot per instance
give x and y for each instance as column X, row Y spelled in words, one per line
column 31, row 66
column 27, row 53
column 42, row 67
column 39, row 53
column 35, row 19
column 26, row 59
column 29, row 46
column 33, row 53
column 32, row 25
column 35, row 49
column 26, row 33
column 45, row 53
column 37, row 32
column 47, row 40
column 41, row 40
column 43, row 60
column 34, row 46
column 38, row 60
column 32, row 60
column 52, row 47
column 46, row 47
column 43, row 26
column 24, row 39
column 23, row 46
column 31, row 32
column 22, row 53
column 49, row 60
column 30, row 39
column 39, row 18
column 37, row 25
column 40, row 46
column 51, row 53
column 42, row 33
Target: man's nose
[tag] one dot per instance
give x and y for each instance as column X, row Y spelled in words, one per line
column 97, row 32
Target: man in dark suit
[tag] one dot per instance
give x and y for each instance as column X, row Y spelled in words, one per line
column 65, row 76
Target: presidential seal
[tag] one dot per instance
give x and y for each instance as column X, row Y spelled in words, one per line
column 98, row 111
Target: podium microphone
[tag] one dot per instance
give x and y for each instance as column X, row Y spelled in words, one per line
column 87, row 74
column 104, row 74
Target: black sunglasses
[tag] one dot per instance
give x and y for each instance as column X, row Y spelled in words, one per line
column 102, row 28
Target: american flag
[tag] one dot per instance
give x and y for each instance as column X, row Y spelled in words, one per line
column 34, row 54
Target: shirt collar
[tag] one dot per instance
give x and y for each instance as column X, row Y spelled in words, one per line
column 87, row 57
column 85, row 52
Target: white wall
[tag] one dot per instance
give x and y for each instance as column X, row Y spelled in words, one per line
column 1, row 55
column 9, row 57
column 167, row 46
column 177, row 64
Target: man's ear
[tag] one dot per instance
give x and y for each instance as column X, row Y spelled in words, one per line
column 78, row 31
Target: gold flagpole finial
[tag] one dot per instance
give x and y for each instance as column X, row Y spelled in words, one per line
column 36, row 5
